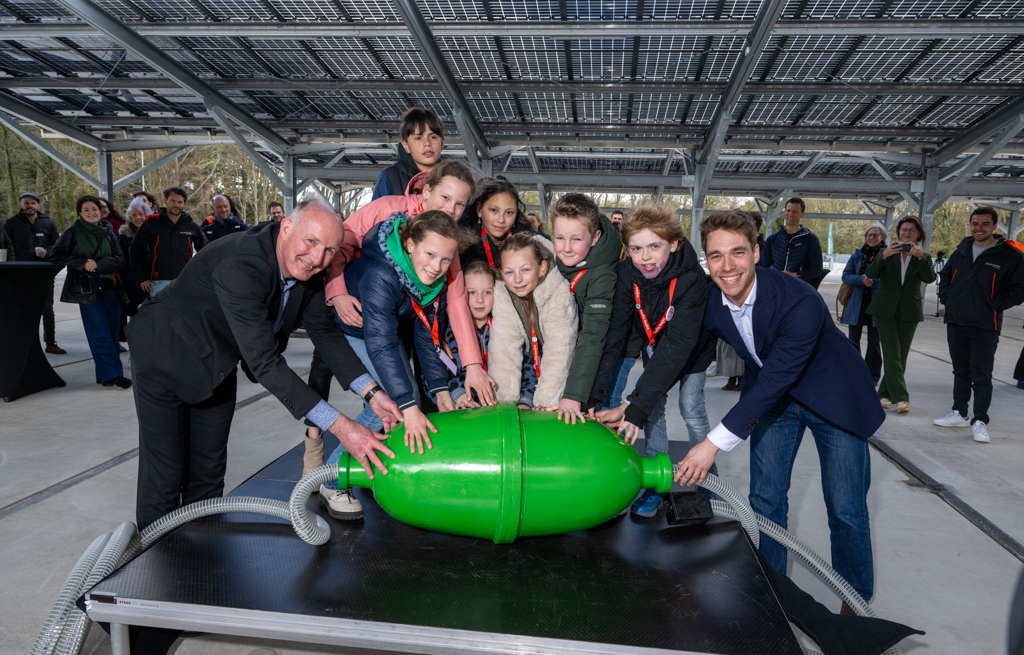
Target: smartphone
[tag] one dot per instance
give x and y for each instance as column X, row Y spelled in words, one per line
column 905, row 247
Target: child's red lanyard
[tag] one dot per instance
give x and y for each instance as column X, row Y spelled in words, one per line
column 575, row 279
column 487, row 247
column 664, row 319
column 536, row 350
column 423, row 317
column 488, row 333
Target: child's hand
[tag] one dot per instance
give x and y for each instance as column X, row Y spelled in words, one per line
column 465, row 402
column 478, row 380
column 416, row 429
column 349, row 310
column 444, row 401
column 612, row 417
column 568, row 409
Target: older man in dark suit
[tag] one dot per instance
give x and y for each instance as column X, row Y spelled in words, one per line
column 238, row 300
column 801, row 372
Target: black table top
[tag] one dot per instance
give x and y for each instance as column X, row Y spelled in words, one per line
column 634, row 582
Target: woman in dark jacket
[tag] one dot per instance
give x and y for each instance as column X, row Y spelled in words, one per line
column 864, row 289
column 110, row 214
column 94, row 259
column 492, row 215
column 138, row 209
column 897, row 306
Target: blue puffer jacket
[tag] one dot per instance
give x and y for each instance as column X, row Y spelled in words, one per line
column 384, row 290
column 861, row 295
column 800, row 255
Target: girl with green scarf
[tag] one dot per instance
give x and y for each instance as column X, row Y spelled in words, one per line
column 399, row 281
column 93, row 257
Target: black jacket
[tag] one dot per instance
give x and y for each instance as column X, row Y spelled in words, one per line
column 384, row 290
column 161, row 248
column 975, row 293
column 221, row 310
column 682, row 346
column 80, row 285
column 28, row 236
column 213, row 229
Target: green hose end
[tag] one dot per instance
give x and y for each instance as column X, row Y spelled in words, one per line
column 657, row 473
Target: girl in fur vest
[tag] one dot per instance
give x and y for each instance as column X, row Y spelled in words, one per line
column 534, row 319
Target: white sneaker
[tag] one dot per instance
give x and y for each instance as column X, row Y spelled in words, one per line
column 980, row 432
column 341, row 505
column 953, row 420
column 886, row 403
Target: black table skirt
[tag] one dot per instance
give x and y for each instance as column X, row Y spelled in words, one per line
column 23, row 366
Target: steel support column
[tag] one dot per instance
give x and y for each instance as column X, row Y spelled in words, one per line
column 290, row 186
column 1013, row 226
column 544, row 199
column 105, row 174
column 888, row 220
column 929, row 203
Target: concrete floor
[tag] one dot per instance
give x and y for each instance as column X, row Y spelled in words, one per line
column 68, row 469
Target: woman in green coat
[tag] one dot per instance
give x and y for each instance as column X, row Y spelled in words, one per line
column 897, row 309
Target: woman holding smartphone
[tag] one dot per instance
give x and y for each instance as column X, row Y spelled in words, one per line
column 897, row 306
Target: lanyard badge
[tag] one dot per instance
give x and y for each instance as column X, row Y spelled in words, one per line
column 669, row 313
column 434, row 335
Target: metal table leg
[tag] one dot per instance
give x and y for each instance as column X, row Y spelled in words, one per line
column 119, row 639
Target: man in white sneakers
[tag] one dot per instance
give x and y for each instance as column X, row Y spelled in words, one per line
column 983, row 276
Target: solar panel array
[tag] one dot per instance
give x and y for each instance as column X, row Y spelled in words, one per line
column 609, row 86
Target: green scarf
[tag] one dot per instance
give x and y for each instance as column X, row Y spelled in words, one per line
column 394, row 243
column 92, row 241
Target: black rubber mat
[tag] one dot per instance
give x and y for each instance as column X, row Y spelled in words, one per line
column 633, row 581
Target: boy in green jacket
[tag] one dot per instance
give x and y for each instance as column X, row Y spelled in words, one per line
column 587, row 247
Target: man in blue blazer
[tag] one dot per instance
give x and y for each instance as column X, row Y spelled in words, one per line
column 801, row 372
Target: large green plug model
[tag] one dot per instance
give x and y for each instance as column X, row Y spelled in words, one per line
column 501, row 473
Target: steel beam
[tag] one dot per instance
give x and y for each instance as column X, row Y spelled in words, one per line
column 929, row 202
column 15, row 126
column 105, row 174
column 947, row 189
column 52, row 123
column 887, row 175
column 290, row 190
column 764, row 22
column 159, row 144
column 1014, row 225
column 978, row 133
column 919, row 29
column 148, row 168
column 424, row 37
column 520, row 86
column 256, row 158
column 544, row 198
column 115, row 29
column 533, row 160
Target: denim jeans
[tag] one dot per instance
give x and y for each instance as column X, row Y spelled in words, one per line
column 367, row 417
column 102, row 321
column 693, row 411
column 845, row 478
column 619, row 379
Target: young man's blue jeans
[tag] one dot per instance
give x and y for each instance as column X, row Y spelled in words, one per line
column 693, row 411
column 845, row 478
column 102, row 322
column 619, row 379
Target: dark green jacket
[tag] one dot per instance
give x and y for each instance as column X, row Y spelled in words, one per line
column 895, row 299
column 594, row 293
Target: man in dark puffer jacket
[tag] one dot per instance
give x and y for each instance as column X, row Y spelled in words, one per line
column 983, row 276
